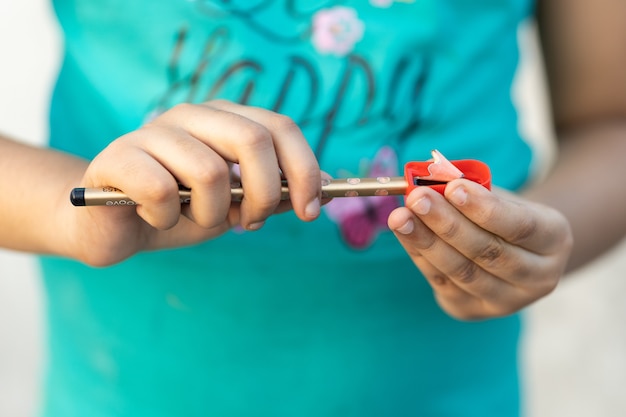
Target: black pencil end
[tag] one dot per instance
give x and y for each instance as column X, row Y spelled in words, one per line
column 77, row 197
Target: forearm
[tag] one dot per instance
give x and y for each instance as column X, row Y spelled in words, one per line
column 580, row 186
column 35, row 183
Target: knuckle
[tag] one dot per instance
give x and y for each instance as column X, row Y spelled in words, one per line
column 523, row 272
column 260, row 205
column 118, row 151
column 205, row 223
column 310, row 170
column 439, row 279
column 165, row 224
column 254, row 136
column 160, row 191
column 450, row 231
column 488, row 213
column 208, row 174
column 466, row 272
column 525, row 229
column 159, row 220
column 208, row 220
column 170, row 117
column 490, row 253
column 283, row 123
column 181, row 108
column 266, row 204
column 426, row 243
column 306, row 178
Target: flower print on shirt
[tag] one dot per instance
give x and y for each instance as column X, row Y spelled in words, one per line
column 384, row 4
column 381, row 3
column 336, row 30
column 361, row 219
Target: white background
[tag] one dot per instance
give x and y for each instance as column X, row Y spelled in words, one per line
column 574, row 355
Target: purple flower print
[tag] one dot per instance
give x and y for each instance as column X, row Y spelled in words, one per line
column 336, row 30
column 361, row 220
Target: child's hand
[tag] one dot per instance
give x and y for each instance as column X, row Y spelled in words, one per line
column 195, row 145
column 485, row 254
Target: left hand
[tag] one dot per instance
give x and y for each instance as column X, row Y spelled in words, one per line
column 485, row 254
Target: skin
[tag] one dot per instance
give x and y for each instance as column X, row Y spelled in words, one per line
column 491, row 254
column 146, row 164
column 485, row 254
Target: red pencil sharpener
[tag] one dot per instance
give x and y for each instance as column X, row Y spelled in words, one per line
column 473, row 170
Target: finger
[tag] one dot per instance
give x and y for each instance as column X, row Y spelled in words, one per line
column 436, row 231
column 451, row 298
column 536, row 228
column 237, row 139
column 295, row 157
column 463, row 303
column 482, row 252
column 187, row 232
column 407, row 229
column 286, row 205
column 142, row 178
column 196, row 166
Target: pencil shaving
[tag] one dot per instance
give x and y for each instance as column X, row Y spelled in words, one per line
column 441, row 169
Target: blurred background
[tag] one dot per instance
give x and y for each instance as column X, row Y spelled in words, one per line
column 574, row 349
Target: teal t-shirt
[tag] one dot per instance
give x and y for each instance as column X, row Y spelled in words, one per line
column 329, row 318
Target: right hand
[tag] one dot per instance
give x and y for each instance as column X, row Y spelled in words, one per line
column 195, row 145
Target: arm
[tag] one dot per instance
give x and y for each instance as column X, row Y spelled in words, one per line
column 34, row 183
column 585, row 55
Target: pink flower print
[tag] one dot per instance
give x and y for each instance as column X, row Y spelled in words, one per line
column 362, row 219
column 336, row 30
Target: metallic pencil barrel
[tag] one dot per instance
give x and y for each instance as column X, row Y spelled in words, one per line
column 344, row 187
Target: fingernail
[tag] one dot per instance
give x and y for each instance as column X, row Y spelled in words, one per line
column 255, row 226
column 422, row 206
column 312, row 210
column 459, row 196
column 406, row 228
